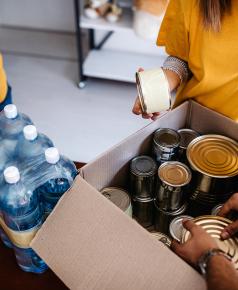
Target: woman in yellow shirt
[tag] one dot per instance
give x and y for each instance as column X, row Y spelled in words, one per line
column 204, row 35
column 5, row 90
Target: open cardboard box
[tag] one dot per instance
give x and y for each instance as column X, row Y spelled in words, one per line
column 91, row 244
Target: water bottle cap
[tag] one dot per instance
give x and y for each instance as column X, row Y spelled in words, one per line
column 52, row 155
column 10, row 111
column 30, row 132
column 11, row 174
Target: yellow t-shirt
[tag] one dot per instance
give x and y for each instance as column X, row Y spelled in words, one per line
column 3, row 81
column 212, row 57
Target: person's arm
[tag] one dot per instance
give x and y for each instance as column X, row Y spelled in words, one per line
column 221, row 274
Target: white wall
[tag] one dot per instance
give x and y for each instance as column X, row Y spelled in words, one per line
column 39, row 14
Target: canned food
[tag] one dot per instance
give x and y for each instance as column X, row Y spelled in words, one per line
column 174, row 176
column 142, row 177
column 119, row 197
column 214, row 225
column 164, row 218
column 214, row 159
column 187, row 136
column 176, row 227
column 165, row 145
column 143, row 211
column 232, row 215
column 162, row 238
column 149, row 83
column 216, row 209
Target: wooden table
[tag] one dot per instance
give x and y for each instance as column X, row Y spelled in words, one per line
column 13, row 278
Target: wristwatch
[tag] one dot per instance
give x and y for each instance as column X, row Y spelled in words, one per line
column 205, row 258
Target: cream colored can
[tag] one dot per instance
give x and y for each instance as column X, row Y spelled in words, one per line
column 119, row 197
column 153, row 90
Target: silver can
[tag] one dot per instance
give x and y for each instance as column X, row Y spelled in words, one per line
column 173, row 178
column 143, row 211
column 164, row 218
column 143, row 170
column 187, row 136
column 165, row 145
column 119, row 197
column 216, row 209
column 232, row 215
column 176, row 227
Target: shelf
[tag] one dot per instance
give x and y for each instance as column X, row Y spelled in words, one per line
column 124, row 24
column 119, row 65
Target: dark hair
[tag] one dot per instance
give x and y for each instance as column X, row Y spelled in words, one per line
column 213, row 12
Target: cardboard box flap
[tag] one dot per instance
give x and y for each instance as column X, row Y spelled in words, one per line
column 90, row 244
column 207, row 121
column 113, row 166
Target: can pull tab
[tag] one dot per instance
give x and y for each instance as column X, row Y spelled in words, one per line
column 107, row 195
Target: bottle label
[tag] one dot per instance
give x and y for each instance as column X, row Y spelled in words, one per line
column 21, row 239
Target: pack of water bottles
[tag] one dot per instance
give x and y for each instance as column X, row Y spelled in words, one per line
column 33, row 177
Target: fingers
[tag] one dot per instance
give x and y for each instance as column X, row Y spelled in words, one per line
column 140, row 69
column 137, row 107
column 191, row 226
column 231, row 204
column 230, row 230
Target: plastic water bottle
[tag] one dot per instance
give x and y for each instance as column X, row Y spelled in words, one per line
column 31, row 145
column 11, row 126
column 52, row 190
column 22, row 216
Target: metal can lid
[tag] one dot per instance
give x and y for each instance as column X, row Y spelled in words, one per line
column 143, row 166
column 143, row 199
column 214, row 155
column 214, row 225
column 162, row 238
column 216, row 209
column 174, row 173
column 117, row 196
column 166, row 138
column 176, row 227
column 187, row 136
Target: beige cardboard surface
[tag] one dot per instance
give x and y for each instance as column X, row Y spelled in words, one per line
column 91, row 244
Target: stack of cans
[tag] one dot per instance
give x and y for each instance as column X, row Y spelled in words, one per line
column 171, row 193
column 143, row 171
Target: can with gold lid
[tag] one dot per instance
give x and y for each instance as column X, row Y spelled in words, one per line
column 173, row 178
column 119, row 197
column 143, row 171
column 165, row 144
column 214, row 225
column 214, row 160
column 187, row 136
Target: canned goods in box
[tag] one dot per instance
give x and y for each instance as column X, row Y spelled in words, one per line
column 176, row 227
column 164, row 218
column 187, row 136
column 119, row 197
column 165, row 144
column 142, row 178
column 174, row 176
column 214, row 225
column 143, row 211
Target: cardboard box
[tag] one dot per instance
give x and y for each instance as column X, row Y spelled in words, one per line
column 91, row 244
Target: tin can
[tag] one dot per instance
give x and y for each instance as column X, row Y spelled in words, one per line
column 214, row 225
column 119, row 197
column 164, row 218
column 143, row 211
column 165, row 145
column 162, row 238
column 216, row 209
column 176, row 227
column 143, row 171
column 187, row 136
column 174, row 177
column 214, row 160
column 149, row 83
column 233, row 215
